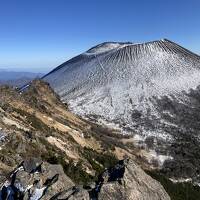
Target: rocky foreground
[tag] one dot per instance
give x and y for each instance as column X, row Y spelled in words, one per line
column 35, row 180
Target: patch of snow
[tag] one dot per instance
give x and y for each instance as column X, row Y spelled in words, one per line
column 102, row 48
column 181, row 180
column 38, row 193
column 110, row 125
column 138, row 138
column 2, row 134
column 153, row 155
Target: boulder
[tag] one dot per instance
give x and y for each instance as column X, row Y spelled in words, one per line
column 128, row 181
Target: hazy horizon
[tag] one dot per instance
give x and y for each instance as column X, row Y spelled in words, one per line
column 36, row 70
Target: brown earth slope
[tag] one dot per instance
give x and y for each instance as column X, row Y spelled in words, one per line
column 36, row 123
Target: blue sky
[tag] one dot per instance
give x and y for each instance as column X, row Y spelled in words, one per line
column 38, row 35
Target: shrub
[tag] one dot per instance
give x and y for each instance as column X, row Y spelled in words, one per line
column 177, row 191
column 99, row 161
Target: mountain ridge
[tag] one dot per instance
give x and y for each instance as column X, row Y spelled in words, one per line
column 104, row 43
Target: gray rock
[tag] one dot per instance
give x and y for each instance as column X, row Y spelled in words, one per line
column 74, row 193
column 125, row 181
column 63, row 182
column 134, row 185
column 80, row 195
column 34, row 180
column 32, row 165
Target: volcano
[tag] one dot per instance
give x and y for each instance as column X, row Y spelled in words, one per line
column 150, row 90
column 120, row 82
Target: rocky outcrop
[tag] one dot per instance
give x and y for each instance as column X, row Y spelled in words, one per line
column 34, row 180
column 128, row 181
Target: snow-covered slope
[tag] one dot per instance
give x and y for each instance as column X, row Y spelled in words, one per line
column 150, row 90
column 115, row 80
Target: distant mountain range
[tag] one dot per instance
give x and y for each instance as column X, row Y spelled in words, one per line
column 17, row 78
